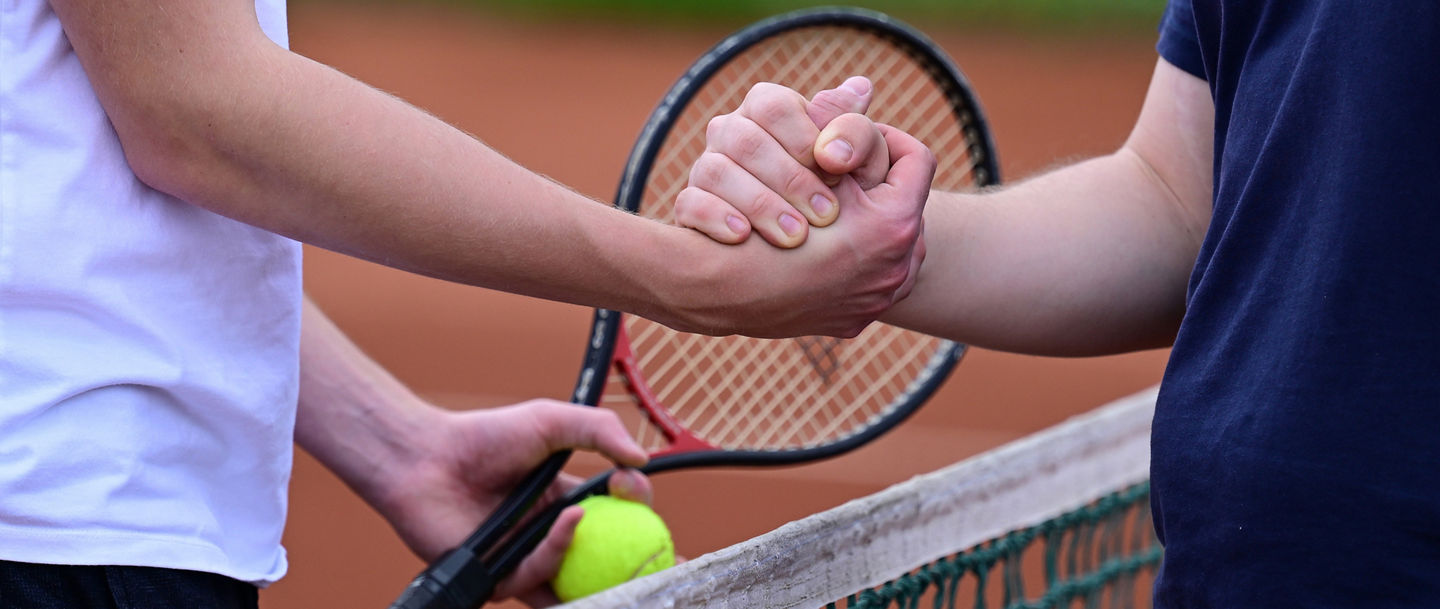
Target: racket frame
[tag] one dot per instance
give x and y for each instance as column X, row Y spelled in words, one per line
column 607, row 333
column 465, row 577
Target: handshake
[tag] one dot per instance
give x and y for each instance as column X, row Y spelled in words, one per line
column 784, row 166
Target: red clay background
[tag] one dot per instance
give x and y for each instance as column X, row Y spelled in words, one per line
column 567, row 101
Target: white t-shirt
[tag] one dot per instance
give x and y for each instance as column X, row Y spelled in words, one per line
column 148, row 348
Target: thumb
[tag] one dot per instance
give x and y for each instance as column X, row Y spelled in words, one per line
column 853, row 144
column 851, row 97
column 567, row 426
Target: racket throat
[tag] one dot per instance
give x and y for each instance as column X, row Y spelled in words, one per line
column 680, row 440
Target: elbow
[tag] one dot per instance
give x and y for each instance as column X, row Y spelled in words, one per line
column 163, row 151
column 155, row 163
column 178, row 128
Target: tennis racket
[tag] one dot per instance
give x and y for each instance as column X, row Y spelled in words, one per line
column 697, row 400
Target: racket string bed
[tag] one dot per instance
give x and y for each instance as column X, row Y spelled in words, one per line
column 754, row 393
column 725, row 401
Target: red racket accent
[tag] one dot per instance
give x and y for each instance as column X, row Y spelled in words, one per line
column 679, row 439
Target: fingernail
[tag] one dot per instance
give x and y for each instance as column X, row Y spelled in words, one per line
column 736, row 223
column 839, row 150
column 821, row 205
column 858, row 85
column 620, row 486
column 790, row 224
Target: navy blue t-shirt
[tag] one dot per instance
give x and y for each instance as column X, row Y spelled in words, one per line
column 1296, row 446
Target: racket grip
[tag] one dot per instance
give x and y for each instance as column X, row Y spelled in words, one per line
column 508, row 556
column 456, row 581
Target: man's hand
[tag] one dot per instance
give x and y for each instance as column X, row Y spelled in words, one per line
column 846, row 275
column 769, row 166
column 436, row 474
column 475, row 458
column 771, row 163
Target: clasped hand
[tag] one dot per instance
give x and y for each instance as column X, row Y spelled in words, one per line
column 781, row 164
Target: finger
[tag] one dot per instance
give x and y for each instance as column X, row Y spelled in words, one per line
column 782, row 113
column 759, row 153
column 632, row 485
column 531, row 577
column 912, row 167
column 852, row 96
column 562, row 484
column 773, row 217
column 709, row 214
column 567, row 426
column 541, row 596
column 853, row 144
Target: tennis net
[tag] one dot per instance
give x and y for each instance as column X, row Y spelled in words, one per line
column 1058, row 519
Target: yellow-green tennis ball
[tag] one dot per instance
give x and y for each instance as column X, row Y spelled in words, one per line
column 615, row 542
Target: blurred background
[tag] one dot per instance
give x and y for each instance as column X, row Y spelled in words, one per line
column 563, row 86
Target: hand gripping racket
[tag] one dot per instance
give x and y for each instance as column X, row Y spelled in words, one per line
column 736, row 401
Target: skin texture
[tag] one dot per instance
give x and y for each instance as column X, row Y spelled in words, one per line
column 210, row 111
column 433, row 473
column 1088, row 259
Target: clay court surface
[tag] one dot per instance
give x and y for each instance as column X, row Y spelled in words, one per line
column 567, row 101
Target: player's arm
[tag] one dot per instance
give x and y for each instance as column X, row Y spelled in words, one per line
column 209, row 110
column 1087, row 259
column 434, row 473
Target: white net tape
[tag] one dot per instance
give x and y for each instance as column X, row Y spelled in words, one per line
column 868, row 541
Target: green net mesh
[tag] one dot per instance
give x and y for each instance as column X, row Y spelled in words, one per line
column 1056, row 519
column 1102, row 555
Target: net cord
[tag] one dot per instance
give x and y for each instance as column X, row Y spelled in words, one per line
column 869, row 541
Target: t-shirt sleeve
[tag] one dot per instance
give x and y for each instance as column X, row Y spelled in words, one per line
column 1179, row 44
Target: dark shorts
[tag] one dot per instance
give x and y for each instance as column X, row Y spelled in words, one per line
column 32, row 586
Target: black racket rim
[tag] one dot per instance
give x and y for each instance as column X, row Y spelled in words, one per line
column 943, row 71
column 465, row 579
column 605, row 327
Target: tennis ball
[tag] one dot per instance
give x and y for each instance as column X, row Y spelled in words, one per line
column 615, row 542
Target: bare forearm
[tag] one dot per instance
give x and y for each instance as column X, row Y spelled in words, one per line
column 1089, row 259
column 1092, row 258
column 211, row 111
column 215, row 114
column 388, row 183
column 353, row 416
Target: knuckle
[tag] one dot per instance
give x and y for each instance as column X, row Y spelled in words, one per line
column 708, row 170
column 715, row 129
column 837, row 101
column 748, row 143
column 797, row 182
column 761, row 92
column 773, row 109
column 685, row 206
column 764, row 202
column 542, row 416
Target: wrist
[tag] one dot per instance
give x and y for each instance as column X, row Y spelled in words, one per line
column 657, row 270
column 392, row 452
column 372, row 437
column 691, row 282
